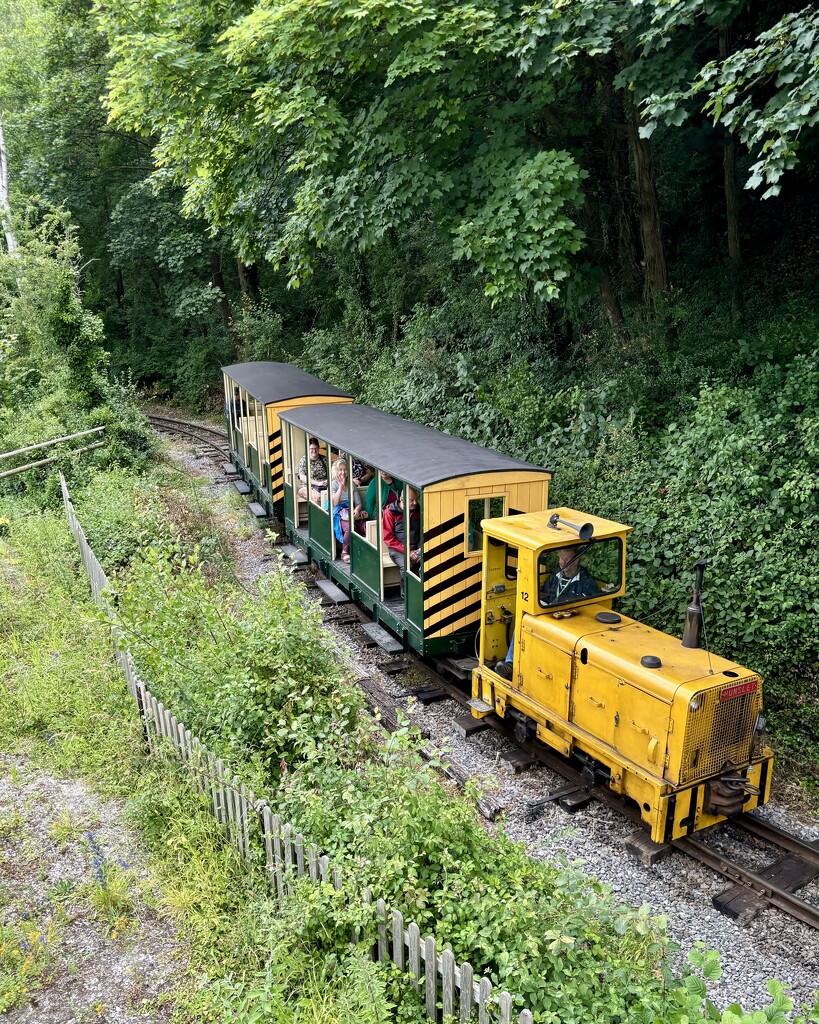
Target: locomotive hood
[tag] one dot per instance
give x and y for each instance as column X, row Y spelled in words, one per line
column 621, row 647
column 689, row 717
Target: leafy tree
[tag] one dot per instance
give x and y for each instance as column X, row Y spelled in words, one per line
column 317, row 125
column 765, row 93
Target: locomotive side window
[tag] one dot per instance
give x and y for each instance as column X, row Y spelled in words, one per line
column 511, row 563
column 579, row 571
column 478, row 509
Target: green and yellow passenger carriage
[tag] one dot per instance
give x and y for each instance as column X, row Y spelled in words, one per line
column 458, row 484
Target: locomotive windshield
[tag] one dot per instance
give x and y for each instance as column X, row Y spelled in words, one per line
column 588, row 570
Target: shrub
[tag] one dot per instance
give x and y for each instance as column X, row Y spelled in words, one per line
column 253, row 675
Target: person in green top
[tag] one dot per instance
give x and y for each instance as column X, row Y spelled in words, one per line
column 390, row 489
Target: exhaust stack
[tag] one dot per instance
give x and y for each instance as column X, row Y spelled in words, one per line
column 693, row 613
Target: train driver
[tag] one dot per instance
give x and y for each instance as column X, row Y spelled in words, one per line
column 569, row 582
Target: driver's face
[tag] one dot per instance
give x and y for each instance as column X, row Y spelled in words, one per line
column 567, row 558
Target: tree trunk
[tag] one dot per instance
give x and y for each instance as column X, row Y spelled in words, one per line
column 218, row 281
column 5, row 208
column 618, row 175
column 608, row 296
column 648, row 212
column 248, row 280
column 611, row 307
column 729, row 167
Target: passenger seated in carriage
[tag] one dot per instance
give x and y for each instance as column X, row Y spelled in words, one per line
column 390, row 490
column 318, row 472
column 346, row 506
column 395, row 532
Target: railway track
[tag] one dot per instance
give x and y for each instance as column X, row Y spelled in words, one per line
column 795, row 862
column 213, row 438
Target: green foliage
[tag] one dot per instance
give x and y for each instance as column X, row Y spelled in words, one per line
column 260, row 331
column 341, row 124
column 251, row 674
column 26, row 948
column 171, row 338
column 542, row 931
column 53, row 378
column 765, row 94
column 55, row 657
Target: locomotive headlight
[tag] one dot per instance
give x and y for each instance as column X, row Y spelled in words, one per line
column 695, row 703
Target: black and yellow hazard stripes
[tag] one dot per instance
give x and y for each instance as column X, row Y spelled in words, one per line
column 276, row 465
column 452, row 582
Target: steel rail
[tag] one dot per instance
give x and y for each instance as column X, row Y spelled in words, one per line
column 776, row 836
column 786, row 901
column 193, row 430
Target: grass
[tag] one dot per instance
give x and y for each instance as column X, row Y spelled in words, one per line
column 65, row 709
column 64, row 828
column 26, row 949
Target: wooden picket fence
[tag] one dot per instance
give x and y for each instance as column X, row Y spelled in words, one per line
column 252, row 826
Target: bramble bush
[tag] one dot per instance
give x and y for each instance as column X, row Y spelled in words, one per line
column 253, row 675
column 540, row 929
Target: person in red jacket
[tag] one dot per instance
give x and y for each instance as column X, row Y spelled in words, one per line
column 394, row 528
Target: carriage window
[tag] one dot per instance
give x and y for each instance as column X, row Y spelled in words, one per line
column 478, row 509
column 579, row 571
column 261, row 437
column 412, row 531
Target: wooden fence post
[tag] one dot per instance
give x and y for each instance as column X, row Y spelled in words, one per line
column 312, row 862
column 448, row 982
column 381, row 923
column 414, row 943
column 287, row 843
column 276, row 829
column 398, row 939
column 431, row 977
column 485, row 994
column 466, row 994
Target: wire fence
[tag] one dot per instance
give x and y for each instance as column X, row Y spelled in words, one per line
column 251, row 825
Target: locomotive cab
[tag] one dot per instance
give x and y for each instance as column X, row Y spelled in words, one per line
column 676, row 731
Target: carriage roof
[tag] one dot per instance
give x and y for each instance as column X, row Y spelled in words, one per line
column 415, row 454
column 270, row 383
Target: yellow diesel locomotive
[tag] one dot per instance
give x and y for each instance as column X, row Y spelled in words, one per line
column 674, row 730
